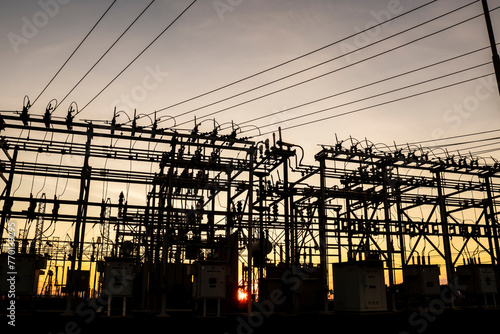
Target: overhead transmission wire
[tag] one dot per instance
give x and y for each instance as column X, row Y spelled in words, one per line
column 466, row 149
column 363, row 86
column 289, row 61
column 452, row 137
column 479, row 146
column 373, row 96
column 144, row 50
column 254, row 99
column 332, row 59
column 105, row 53
column 421, row 93
column 466, row 142
column 67, row 60
column 463, row 143
column 486, row 151
column 377, row 105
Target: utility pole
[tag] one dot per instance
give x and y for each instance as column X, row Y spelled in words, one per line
column 81, row 217
column 493, row 44
column 389, row 245
column 450, row 271
column 251, row 153
column 322, row 220
column 7, row 206
column 491, row 223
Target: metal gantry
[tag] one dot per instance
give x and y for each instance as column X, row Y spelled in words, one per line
column 165, row 199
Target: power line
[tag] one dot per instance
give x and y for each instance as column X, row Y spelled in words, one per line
column 466, row 149
column 67, row 60
column 377, row 95
column 333, row 71
column 293, row 59
column 377, row 105
column 466, row 142
column 105, row 53
column 364, row 86
column 452, row 137
column 486, row 151
column 144, row 50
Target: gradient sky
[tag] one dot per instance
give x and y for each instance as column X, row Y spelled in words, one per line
column 218, row 42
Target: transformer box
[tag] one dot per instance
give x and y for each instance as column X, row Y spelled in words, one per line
column 478, row 278
column 26, row 271
column 118, row 277
column 209, row 281
column 359, row 286
column 81, row 280
column 300, row 285
column 421, row 280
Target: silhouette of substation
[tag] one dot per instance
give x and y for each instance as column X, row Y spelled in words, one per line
column 143, row 218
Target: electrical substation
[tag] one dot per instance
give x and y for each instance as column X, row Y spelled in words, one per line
column 145, row 218
column 145, row 223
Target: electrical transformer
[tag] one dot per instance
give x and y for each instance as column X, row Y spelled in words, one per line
column 118, row 277
column 26, row 271
column 421, row 280
column 81, row 280
column 478, row 278
column 359, row 286
column 210, row 281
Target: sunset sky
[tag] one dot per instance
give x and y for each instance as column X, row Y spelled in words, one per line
column 319, row 69
column 216, row 43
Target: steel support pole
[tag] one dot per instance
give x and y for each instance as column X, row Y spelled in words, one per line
column 7, row 191
column 79, row 225
column 401, row 232
column 229, row 202
column 251, row 152
column 82, row 212
column 350, row 252
column 388, row 239
column 287, row 212
column 322, row 234
column 262, row 253
column 166, row 236
column 339, row 237
column 450, row 271
column 491, row 35
column 294, row 242
column 492, row 223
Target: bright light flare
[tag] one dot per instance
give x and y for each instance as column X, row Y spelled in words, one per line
column 242, row 295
